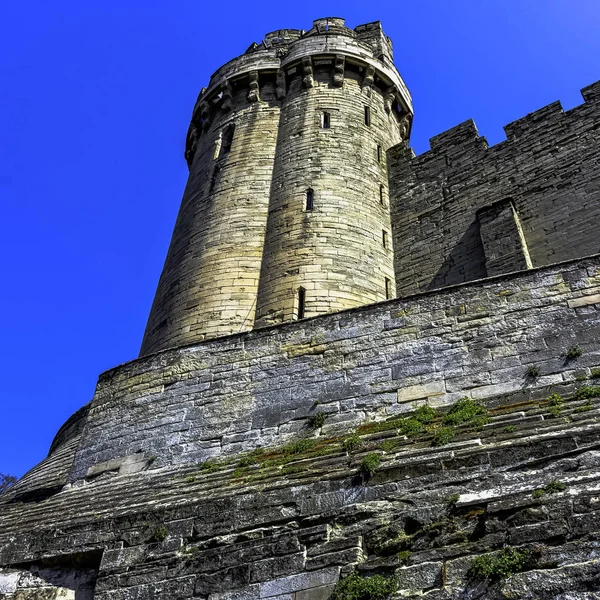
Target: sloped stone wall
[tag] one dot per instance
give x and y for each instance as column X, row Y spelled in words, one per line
column 527, row 481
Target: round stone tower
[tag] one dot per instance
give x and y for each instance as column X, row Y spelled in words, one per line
column 285, row 214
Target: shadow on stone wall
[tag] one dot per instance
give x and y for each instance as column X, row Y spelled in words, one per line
column 466, row 261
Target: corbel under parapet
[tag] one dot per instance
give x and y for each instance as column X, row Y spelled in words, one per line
column 280, row 85
column 227, row 90
column 368, row 79
column 339, row 65
column 254, row 91
column 389, row 95
column 307, row 72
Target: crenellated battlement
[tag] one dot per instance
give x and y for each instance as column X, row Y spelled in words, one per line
column 544, row 121
column 548, row 168
column 285, row 54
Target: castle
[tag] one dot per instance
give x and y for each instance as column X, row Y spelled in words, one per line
column 365, row 373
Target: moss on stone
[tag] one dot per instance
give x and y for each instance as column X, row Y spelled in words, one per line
column 298, row 447
column 160, row 533
column 389, row 445
column 555, row 403
column 587, row 392
column 209, row 466
column 452, row 499
column 443, row 436
column 317, row 420
column 355, row 587
column 466, row 411
column 352, row 443
column 501, row 565
column 554, row 487
column 411, row 427
column 370, row 463
column 424, row 414
column 574, row 352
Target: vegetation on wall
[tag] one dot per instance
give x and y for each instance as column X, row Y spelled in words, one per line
column 355, row 587
column 500, row 565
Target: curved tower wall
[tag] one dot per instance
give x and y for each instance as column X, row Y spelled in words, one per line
column 244, row 244
column 334, row 252
column 210, row 278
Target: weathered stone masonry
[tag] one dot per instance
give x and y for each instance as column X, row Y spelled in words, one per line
column 548, row 168
column 140, row 517
column 314, row 110
column 240, row 461
column 256, row 389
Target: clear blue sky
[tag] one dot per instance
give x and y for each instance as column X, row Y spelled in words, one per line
column 95, row 99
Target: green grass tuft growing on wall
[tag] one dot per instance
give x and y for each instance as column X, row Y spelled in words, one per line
column 355, row 587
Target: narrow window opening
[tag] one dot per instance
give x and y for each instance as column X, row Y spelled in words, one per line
column 378, row 154
column 301, row 302
column 388, row 289
column 213, row 179
column 325, row 120
column 381, row 195
column 227, row 139
column 384, row 238
column 309, row 199
column 327, row 27
column 367, row 115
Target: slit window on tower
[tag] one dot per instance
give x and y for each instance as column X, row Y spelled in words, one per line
column 325, row 120
column 301, row 302
column 227, row 139
column 388, row 289
column 384, row 238
column 381, row 195
column 310, row 199
column 379, row 154
column 367, row 115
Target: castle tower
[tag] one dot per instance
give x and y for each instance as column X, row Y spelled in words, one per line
column 285, row 214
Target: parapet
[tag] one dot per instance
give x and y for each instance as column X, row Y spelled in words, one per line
column 330, row 24
column 456, row 136
column 280, row 36
column 543, row 121
column 283, row 50
column 545, row 117
column 372, row 34
column 591, row 93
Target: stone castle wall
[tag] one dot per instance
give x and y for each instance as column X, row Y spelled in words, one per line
column 210, row 279
column 271, row 464
column 256, row 146
column 548, row 168
column 246, row 391
column 288, row 522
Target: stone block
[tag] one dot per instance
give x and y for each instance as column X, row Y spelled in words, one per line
column 302, row 581
column 8, row 581
column 420, row 577
column 417, row 392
